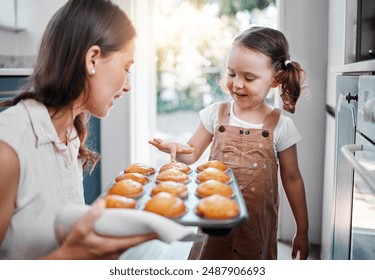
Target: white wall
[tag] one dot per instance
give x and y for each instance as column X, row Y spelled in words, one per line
column 114, row 133
column 131, row 123
column 305, row 24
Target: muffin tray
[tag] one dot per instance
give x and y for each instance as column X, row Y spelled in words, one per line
column 190, row 218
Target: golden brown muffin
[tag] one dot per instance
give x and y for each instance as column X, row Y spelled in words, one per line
column 140, row 168
column 173, row 175
column 133, row 176
column 166, row 205
column 212, row 163
column 211, row 173
column 118, row 201
column 127, row 187
column 217, row 207
column 174, row 188
column 210, row 187
column 176, row 165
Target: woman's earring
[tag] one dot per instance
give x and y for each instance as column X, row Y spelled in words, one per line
column 92, row 71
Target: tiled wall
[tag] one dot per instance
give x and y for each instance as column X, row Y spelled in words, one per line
column 12, row 61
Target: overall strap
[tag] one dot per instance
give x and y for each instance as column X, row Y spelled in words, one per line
column 224, row 112
column 272, row 119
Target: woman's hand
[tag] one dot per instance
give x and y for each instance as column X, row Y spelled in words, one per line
column 172, row 148
column 84, row 243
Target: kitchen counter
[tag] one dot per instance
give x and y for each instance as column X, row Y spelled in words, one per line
column 15, row 71
column 357, row 67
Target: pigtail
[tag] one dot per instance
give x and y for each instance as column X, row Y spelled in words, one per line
column 290, row 80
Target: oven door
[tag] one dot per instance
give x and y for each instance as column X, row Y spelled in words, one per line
column 362, row 159
column 346, row 122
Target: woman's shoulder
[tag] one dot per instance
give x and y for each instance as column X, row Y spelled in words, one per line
column 12, row 114
column 14, row 123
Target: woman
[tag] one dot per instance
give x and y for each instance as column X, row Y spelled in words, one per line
column 82, row 67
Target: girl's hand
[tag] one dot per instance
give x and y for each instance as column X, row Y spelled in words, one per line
column 301, row 244
column 84, row 243
column 172, row 148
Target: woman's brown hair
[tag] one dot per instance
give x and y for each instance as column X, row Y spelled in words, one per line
column 272, row 43
column 59, row 75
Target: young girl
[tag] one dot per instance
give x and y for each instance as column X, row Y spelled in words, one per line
column 253, row 138
column 82, row 67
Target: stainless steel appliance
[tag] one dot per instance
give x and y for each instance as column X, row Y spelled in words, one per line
column 361, row 158
column 354, row 217
column 346, row 116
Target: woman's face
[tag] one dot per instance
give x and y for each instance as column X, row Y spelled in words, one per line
column 250, row 77
column 110, row 80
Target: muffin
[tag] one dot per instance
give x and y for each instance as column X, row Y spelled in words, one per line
column 127, row 187
column 173, row 175
column 211, row 187
column 212, row 163
column 118, row 201
column 217, row 207
column 174, row 188
column 140, row 168
column 140, row 178
column 176, row 165
column 166, row 205
column 211, row 173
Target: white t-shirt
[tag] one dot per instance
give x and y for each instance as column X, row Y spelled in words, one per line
column 285, row 134
column 50, row 178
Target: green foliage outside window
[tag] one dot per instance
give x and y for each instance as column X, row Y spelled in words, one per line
column 193, row 38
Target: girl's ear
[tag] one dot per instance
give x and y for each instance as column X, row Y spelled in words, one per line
column 274, row 84
column 91, row 59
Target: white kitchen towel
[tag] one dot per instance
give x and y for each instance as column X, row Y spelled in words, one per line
column 123, row 222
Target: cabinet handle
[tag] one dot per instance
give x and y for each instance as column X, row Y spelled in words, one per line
column 348, row 153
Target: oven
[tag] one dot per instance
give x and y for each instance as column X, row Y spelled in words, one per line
column 355, row 180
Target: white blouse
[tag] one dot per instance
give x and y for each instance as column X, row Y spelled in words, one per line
column 50, row 177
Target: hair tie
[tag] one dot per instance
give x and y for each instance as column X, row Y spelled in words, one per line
column 287, row 62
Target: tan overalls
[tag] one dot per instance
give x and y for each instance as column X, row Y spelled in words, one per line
column 251, row 155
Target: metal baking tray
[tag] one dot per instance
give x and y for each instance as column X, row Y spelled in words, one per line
column 190, row 218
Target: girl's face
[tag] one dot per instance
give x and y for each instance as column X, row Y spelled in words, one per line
column 110, row 80
column 250, row 77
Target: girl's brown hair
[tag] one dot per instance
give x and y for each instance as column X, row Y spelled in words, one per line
column 272, row 43
column 59, row 74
